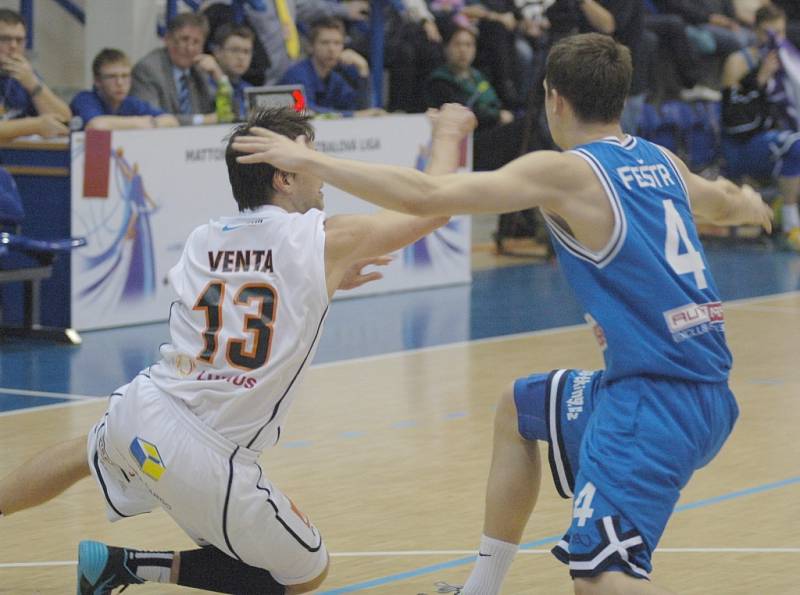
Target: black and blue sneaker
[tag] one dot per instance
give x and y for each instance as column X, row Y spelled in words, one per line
column 102, row 568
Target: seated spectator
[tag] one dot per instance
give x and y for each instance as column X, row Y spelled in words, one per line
column 327, row 90
column 175, row 78
column 220, row 14
column 792, row 10
column 412, row 49
column 498, row 136
column 713, row 27
column 28, row 106
column 276, row 24
column 676, row 50
column 759, row 139
column 108, row 106
column 233, row 49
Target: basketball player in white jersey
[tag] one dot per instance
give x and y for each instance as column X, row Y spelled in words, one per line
column 185, row 434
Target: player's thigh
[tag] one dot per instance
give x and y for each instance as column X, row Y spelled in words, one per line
column 267, row 529
column 555, row 408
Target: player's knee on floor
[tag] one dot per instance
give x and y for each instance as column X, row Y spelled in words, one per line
column 310, row 585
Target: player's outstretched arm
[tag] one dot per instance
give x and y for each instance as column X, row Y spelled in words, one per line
column 533, row 180
column 360, row 238
column 722, row 202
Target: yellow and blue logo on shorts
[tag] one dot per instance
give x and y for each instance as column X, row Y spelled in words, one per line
column 149, row 459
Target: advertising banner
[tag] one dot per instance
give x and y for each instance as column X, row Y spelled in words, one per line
column 158, row 185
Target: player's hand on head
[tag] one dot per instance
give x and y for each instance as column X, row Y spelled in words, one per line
column 355, row 275
column 264, row 146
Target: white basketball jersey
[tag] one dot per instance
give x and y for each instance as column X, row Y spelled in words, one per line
column 252, row 299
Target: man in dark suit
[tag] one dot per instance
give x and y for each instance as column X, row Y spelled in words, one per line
column 175, row 78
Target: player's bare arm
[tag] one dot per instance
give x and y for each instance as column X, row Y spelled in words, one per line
column 350, row 238
column 722, row 202
column 537, row 179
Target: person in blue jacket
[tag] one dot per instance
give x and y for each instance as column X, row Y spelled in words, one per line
column 109, row 105
column 335, row 79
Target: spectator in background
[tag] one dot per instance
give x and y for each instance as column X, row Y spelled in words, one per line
column 328, row 90
column 412, row 49
column 28, row 104
column 277, row 25
column 676, row 49
column 220, row 14
column 175, row 78
column 756, row 138
column 711, row 24
column 108, row 106
column 498, row 136
column 233, row 50
column 792, row 10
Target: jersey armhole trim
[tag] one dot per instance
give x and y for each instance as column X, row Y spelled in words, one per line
column 605, row 255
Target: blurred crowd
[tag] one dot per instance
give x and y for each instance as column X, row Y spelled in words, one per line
column 736, row 55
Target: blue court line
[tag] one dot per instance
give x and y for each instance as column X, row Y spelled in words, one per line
column 546, row 540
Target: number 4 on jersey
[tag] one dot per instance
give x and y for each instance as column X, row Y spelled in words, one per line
column 687, row 262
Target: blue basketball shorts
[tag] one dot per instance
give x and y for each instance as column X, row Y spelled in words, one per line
column 767, row 154
column 622, row 451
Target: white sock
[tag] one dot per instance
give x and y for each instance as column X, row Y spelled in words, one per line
column 790, row 217
column 149, row 566
column 491, row 565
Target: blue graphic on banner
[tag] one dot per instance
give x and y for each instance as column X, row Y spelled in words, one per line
column 419, row 254
column 122, row 229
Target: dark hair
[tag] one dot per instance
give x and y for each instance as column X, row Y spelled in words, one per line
column 227, row 30
column 11, row 17
column 107, row 56
column 188, row 19
column 252, row 183
column 593, row 72
column 325, row 23
column 768, row 13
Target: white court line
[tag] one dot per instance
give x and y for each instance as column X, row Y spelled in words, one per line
column 665, row 550
column 43, row 393
column 744, row 302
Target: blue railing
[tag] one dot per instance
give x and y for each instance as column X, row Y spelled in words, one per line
column 26, row 11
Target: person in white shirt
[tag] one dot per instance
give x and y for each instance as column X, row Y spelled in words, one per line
column 186, row 433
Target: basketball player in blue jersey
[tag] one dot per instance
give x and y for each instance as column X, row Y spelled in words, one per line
column 624, row 442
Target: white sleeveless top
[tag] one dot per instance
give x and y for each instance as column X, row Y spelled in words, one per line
column 252, row 299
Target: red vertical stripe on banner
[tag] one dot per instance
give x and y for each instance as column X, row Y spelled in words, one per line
column 97, row 164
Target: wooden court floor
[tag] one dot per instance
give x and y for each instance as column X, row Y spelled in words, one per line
column 389, row 455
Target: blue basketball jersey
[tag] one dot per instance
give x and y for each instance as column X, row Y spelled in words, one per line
column 649, row 290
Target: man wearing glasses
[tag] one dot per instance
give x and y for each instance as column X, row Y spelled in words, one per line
column 233, row 49
column 175, row 77
column 27, row 105
column 108, row 106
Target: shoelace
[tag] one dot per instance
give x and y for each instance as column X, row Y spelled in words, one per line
column 442, row 587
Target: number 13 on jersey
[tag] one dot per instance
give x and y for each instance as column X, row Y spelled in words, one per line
column 257, row 326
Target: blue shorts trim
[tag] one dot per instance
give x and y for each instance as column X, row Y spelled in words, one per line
column 555, row 408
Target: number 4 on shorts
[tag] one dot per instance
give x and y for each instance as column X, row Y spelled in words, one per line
column 582, row 509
